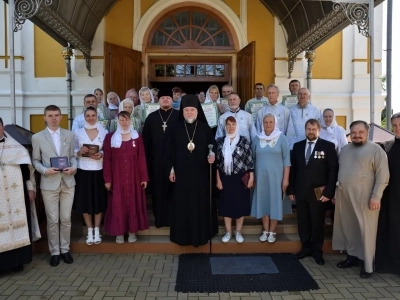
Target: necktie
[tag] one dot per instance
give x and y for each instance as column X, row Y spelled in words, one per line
column 308, row 152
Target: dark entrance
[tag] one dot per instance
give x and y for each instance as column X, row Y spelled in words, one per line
column 187, row 87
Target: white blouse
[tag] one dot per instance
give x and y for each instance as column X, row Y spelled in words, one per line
column 86, row 163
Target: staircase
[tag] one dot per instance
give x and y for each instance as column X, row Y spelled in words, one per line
column 156, row 240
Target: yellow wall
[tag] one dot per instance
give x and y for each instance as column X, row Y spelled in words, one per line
column 234, row 5
column 342, row 121
column 37, row 123
column 260, row 28
column 48, row 59
column 119, row 24
column 328, row 62
column 145, row 5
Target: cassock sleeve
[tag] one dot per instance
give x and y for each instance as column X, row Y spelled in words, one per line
column 144, row 177
column 169, row 155
column 107, row 159
column 147, row 138
column 381, row 173
column 333, row 168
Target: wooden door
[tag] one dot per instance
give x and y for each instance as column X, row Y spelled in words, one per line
column 122, row 69
column 246, row 72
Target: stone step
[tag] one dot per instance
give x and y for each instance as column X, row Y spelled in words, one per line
column 285, row 243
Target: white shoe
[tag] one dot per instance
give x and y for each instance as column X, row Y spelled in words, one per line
column 239, row 237
column 97, row 236
column 89, row 238
column 132, row 238
column 119, row 239
column 272, row 237
column 264, row 236
column 226, row 237
column 328, row 221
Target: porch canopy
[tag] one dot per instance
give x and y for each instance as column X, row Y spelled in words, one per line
column 307, row 23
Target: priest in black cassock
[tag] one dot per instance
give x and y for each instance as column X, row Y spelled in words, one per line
column 155, row 130
column 189, row 162
column 387, row 257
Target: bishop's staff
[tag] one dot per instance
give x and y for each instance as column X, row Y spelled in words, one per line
column 210, row 154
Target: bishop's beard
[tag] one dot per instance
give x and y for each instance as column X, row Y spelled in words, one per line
column 190, row 121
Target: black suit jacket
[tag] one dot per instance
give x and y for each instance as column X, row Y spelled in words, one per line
column 304, row 178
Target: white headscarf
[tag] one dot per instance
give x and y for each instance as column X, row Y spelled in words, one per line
column 116, row 139
column 127, row 100
column 208, row 97
column 229, row 147
column 271, row 139
column 145, row 88
column 97, row 125
column 110, row 105
column 328, row 132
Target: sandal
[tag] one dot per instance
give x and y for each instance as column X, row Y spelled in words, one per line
column 97, row 237
column 89, row 238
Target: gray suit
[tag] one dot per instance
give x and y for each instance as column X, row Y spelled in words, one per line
column 57, row 190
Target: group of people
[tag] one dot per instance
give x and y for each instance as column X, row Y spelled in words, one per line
column 266, row 158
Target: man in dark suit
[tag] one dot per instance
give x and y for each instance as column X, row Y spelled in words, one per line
column 314, row 165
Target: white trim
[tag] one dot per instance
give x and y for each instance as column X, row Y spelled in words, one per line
column 243, row 13
column 161, row 7
column 137, row 11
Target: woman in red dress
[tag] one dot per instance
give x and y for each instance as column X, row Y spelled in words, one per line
column 125, row 177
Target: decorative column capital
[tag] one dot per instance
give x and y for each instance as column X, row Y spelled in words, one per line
column 310, row 55
column 67, row 52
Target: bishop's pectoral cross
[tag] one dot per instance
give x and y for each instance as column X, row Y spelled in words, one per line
column 164, row 126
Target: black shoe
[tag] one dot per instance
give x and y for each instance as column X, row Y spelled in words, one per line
column 319, row 260
column 67, row 258
column 303, row 254
column 364, row 274
column 55, row 260
column 348, row 263
column 18, row 268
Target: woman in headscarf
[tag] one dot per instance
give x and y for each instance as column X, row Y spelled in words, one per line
column 272, row 164
column 98, row 92
column 133, row 95
column 113, row 100
column 128, row 106
column 90, row 195
column 331, row 131
column 213, row 95
column 125, row 177
column 145, row 96
column 234, row 159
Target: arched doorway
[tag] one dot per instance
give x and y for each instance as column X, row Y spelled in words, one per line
column 190, row 47
column 202, row 47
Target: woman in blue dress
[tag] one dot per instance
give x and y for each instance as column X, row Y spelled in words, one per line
column 234, row 158
column 272, row 164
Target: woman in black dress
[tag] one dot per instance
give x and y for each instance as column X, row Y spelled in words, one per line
column 234, row 159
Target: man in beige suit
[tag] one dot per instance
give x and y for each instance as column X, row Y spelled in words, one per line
column 57, row 187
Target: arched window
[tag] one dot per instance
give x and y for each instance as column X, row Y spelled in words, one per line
column 190, row 29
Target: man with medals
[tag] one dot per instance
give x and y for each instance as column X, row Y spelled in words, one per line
column 155, row 130
column 189, row 161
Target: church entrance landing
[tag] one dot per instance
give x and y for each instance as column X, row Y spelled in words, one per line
column 156, row 240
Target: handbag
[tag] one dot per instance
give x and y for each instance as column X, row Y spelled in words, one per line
column 245, row 179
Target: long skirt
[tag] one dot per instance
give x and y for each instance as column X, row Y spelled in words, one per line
column 90, row 193
column 234, row 198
